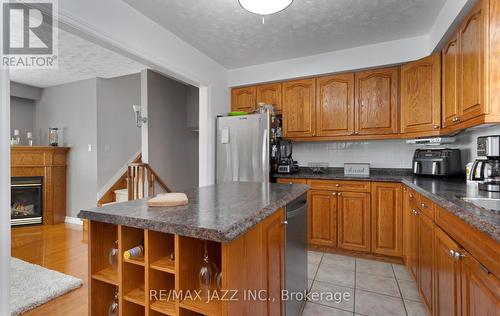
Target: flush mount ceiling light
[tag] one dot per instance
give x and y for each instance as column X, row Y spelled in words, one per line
column 265, row 7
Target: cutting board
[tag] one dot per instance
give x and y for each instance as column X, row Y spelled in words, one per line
column 168, row 199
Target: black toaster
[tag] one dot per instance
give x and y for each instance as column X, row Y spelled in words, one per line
column 437, row 162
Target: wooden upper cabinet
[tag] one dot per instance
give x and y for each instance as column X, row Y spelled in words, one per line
column 449, row 109
column 322, row 218
column 472, row 49
column 480, row 289
column 354, row 221
column 421, row 95
column 298, row 108
column 335, row 105
column 446, row 275
column 387, row 219
column 270, row 94
column 377, row 103
column 243, row 99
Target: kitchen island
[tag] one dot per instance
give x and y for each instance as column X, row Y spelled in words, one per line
column 240, row 224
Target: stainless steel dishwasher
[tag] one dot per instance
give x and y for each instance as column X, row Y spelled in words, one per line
column 296, row 253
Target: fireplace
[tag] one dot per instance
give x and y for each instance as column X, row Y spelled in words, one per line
column 26, row 200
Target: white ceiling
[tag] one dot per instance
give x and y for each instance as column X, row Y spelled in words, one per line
column 235, row 38
column 79, row 59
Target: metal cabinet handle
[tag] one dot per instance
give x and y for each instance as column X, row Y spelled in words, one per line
column 284, row 222
column 339, row 194
column 423, row 205
column 456, row 255
column 415, row 212
column 435, row 126
column 337, row 185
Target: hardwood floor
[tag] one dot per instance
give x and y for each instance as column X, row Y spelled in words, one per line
column 58, row 247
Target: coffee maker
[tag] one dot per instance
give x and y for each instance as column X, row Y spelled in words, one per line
column 286, row 163
column 486, row 170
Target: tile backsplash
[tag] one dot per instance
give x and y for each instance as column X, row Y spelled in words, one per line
column 381, row 153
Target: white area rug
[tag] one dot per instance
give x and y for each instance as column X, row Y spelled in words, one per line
column 32, row 285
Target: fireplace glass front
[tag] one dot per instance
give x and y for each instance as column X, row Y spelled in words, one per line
column 26, row 200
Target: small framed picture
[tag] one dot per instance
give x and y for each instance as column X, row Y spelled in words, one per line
column 357, row 169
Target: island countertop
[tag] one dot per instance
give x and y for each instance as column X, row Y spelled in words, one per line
column 220, row 212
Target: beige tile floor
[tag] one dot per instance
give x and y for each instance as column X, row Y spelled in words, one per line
column 375, row 288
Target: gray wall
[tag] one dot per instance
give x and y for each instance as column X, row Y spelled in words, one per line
column 72, row 108
column 24, row 91
column 383, row 153
column 172, row 147
column 118, row 138
column 22, row 117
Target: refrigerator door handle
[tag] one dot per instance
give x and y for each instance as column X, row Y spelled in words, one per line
column 265, row 148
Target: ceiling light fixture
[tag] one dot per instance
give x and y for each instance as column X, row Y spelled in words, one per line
column 265, row 7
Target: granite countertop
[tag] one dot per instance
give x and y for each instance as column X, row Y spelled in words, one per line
column 219, row 212
column 446, row 193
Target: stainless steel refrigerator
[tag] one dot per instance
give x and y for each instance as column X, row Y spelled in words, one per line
column 243, row 145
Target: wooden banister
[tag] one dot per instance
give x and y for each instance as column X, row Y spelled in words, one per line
column 141, row 180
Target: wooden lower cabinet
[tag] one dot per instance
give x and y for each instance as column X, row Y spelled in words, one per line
column 274, row 261
column 447, row 296
column 322, row 218
column 354, row 221
column 480, row 289
column 425, row 259
column 412, row 230
column 386, row 219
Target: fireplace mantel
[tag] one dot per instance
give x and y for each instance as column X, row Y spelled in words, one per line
column 49, row 163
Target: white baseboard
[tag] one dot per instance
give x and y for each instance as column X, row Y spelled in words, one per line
column 73, row 220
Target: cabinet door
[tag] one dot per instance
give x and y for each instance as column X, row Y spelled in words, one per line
column 421, row 95
column 322, row 230
column 298, row 108
column 335, row 105
column 354, row 221
column 480, row 289
column 425, row 259
column 243, row 99
column 270, row 94
column 406, row 224
column 413, row 239
column 446, row 275
column 387, row 219
column 450, row 110
column 377, row 101
column 413, row 235
column 274, row 259
column 471, row 53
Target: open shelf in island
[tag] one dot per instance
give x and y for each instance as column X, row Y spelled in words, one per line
column 171, row 263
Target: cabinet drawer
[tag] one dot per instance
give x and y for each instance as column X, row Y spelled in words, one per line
column 481, row 246
column 291, row 181
column 340, row 185
column 426, row 206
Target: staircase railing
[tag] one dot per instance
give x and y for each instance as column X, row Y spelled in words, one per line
column 142, row 181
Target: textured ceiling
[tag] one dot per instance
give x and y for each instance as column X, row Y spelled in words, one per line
column 235, row 38
column 78, row 59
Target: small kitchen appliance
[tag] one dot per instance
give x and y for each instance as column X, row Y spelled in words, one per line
column 486, row 169
column 286, row 163
column 437, row 162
